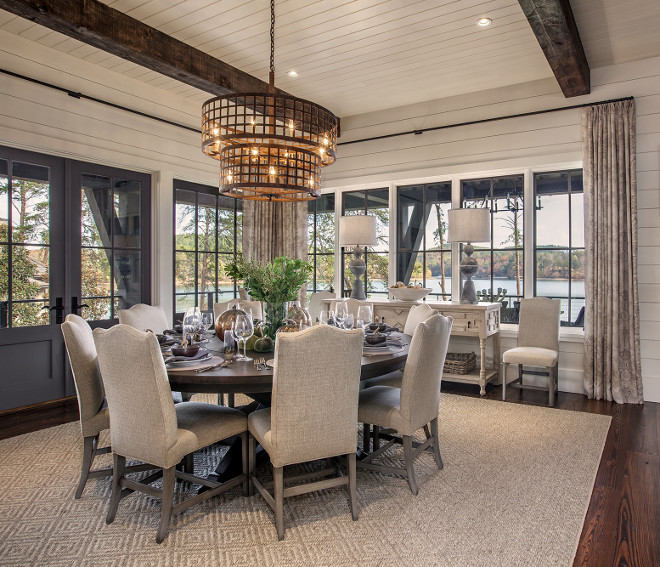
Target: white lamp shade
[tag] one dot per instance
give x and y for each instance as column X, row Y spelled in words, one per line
column 469, row 225
column 357, row 230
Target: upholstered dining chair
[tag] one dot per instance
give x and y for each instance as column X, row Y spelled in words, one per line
column 413, row 406
column 255, row 306
column 316, row 304
column 313, row 414
column 92, row 405
column 538, row 346
column 94, row 415
column 146, row 425
column 352, row 305
column 142, row 317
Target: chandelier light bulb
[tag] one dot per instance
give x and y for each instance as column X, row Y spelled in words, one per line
column 255, row 151
column 271, row 171
column 215, row 131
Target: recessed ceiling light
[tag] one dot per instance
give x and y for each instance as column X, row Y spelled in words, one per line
column 292, row 73
column 483, row 22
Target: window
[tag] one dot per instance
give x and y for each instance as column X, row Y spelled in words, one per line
column 321, row 238
column 423, row 253
column 559, row 242
column 207, row 236
column 501, row 261
column 373, row 202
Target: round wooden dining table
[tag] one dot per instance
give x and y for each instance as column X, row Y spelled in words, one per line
column 244, row 377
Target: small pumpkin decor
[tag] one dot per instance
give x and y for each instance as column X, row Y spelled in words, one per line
column 260, row 342
column 226, row 320
column 299, row 315
column 289, row 326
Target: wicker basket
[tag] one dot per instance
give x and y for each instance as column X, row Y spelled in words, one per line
column 459, row 362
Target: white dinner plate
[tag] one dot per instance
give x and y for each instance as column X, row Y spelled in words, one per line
column 191, row 361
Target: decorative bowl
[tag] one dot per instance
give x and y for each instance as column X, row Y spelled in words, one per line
column 409, row 293
column 188, row 350
column 375, row 339
column 377, row 326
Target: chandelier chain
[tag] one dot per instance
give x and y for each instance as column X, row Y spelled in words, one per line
column 272, row 36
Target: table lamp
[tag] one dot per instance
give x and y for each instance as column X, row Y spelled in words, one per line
column 469, row 225
column 356, row 231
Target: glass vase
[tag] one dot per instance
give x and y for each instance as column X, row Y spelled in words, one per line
column 275, row 315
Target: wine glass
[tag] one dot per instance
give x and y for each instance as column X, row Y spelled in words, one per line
column 191, row 321
column 364, row 315
column 229, row 347
column 341, row 310
column 324, row 317
column 348, row 321
column 243, row 330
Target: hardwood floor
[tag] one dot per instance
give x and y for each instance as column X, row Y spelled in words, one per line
column 622, row 525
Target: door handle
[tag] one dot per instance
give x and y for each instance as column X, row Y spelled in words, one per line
column 59, row 310
column 75, row 308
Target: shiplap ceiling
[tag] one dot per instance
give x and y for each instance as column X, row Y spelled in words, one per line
column 357, row 56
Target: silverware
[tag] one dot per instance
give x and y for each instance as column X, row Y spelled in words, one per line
column 220, row 364
column 258, row 362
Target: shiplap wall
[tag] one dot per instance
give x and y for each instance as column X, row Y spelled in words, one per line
column 36, row 118
column 535, row 142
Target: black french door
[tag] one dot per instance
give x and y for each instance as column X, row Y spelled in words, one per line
column 74, row 238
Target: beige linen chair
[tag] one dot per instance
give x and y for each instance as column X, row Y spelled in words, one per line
column 142, row 317
column 255, row 306
column 313, row 413
column 538, row 345
column 316, row 304
column 94, row 415
column 352, row 305
column 415, row 404
column 146, row 425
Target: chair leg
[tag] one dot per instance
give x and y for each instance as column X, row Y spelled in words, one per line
column 426, row 431
column 366, row 437
column 520, row 375
column 408, row 457
column 221, row 399
column 352, row 477
column 119, row 466
column 189, row 463
column 505, row 365
column 230, row 400
column 278, row 497
column 251, row 458
column 376, row 437
column 436, row 446
column 244, row 455
column 166, row 503
column 89, row 444
column 551, row 385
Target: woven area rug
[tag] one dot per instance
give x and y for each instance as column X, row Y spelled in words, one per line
column 514, row 491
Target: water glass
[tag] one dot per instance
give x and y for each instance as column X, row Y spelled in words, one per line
column 243, row 329
column 341, row 310
column 324, row 317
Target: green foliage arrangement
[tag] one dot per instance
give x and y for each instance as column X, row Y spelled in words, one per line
column 276, row 282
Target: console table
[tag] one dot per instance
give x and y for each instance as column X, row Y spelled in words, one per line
column 479, row 321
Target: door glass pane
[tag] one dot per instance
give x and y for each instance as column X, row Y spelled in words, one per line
column 127, row 197
column 97, row 308
column 128, row 278
column 377, row 272
column 30, row 203
column 96, row 282
column 96, row 210
column 29, row 272
column 28, row 314
column 184, row 301
column 4, row 201
column 226, row 230
column 206, row 223
column 436, row 226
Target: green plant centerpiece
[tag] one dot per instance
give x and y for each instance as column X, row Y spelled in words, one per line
column 274, row 284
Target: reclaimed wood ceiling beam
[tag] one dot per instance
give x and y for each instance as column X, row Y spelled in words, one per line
column 556, row 31
column 94, row 23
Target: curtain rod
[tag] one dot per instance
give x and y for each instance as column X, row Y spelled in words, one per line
column 100, row 101
column 416, row 132
column 485, row 120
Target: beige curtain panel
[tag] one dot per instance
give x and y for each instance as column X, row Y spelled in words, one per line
column 272, row 229
column 612, row 368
